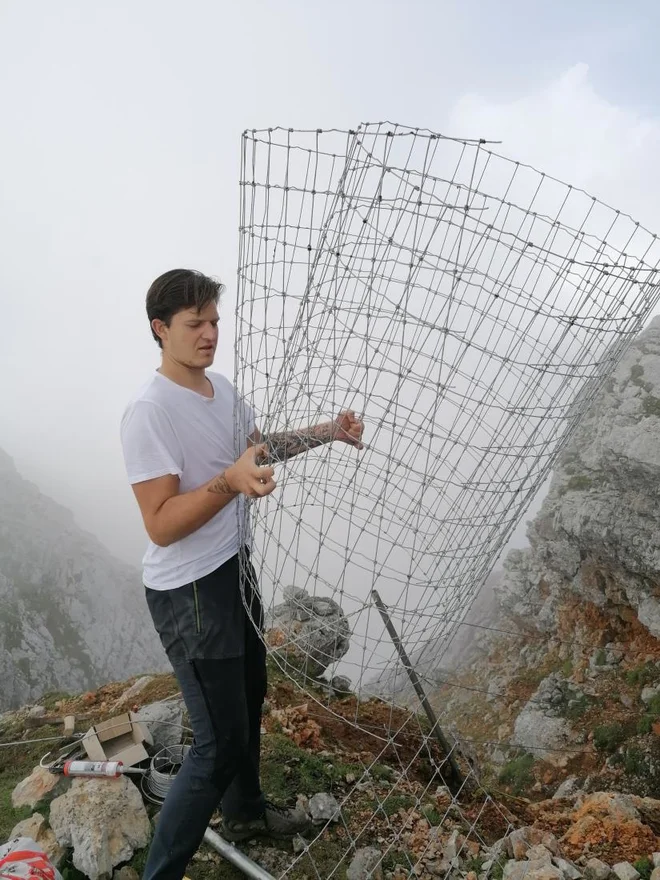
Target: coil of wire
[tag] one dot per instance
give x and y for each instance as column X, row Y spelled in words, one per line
column 162, row 772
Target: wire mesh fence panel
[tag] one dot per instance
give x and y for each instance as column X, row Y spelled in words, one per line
column 468, row 307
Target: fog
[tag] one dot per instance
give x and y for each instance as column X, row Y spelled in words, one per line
column 121, row 159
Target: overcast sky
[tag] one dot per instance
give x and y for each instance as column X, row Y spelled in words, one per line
column 120, row 150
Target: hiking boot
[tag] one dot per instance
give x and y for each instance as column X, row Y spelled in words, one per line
column 277, row 822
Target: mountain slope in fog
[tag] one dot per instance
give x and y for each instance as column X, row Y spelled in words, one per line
column 71, row 615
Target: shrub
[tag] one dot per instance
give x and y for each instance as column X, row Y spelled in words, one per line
column 608, row 737
column 518, row 773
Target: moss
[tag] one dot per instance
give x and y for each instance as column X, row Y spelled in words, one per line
column 644, row 867
column 608, row 737
column 517, row 774
column 601, row 657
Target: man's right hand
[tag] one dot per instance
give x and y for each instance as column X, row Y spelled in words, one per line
column 247, row 477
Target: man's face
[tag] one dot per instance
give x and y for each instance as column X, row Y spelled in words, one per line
column 192, row 336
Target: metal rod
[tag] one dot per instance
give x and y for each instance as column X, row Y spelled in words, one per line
column 233, row 855
column 456, row 774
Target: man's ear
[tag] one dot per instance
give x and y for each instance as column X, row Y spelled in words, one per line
column 159, row 327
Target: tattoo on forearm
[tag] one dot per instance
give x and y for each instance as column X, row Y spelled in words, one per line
column 287, row 444
column 220, row 486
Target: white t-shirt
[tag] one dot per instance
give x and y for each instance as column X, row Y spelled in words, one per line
column 169, row 429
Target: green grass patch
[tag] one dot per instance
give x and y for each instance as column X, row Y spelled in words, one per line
column 634, row 763
column 49, row 700
column 645, row 724
column 644, row 867
column 517, row 774
column 475, row 863
column 641, row 675
column 497, row 870
column 404, row 858
column 381, row 773
column 321, row 860
column 653, row 706
column 432, row 814
column 287, row 770
column 393, row 803
column 8, row 815
column 16, row 763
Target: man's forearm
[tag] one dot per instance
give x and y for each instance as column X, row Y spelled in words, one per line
column 182, row 514
column 286, row 444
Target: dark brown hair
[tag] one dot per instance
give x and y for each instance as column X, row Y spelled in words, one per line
column 180, row 289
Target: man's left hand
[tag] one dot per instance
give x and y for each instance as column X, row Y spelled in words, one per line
column 348, row 428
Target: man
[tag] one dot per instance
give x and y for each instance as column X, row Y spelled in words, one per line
column 178, row 437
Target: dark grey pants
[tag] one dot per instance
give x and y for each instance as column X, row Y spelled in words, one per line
column 202, row 626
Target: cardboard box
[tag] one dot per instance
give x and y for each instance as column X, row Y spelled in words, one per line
column 122, row 738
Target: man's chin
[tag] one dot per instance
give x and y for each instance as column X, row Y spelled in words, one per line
column 201, row 361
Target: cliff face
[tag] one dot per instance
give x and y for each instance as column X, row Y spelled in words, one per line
column 598, row 532
column 567, row 672
column 71, row 615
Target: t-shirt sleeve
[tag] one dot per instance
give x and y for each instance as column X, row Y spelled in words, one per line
column 150, row 444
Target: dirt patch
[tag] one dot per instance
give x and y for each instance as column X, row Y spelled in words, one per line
column 368, row 732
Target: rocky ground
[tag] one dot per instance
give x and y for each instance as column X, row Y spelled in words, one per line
column 393, row 820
